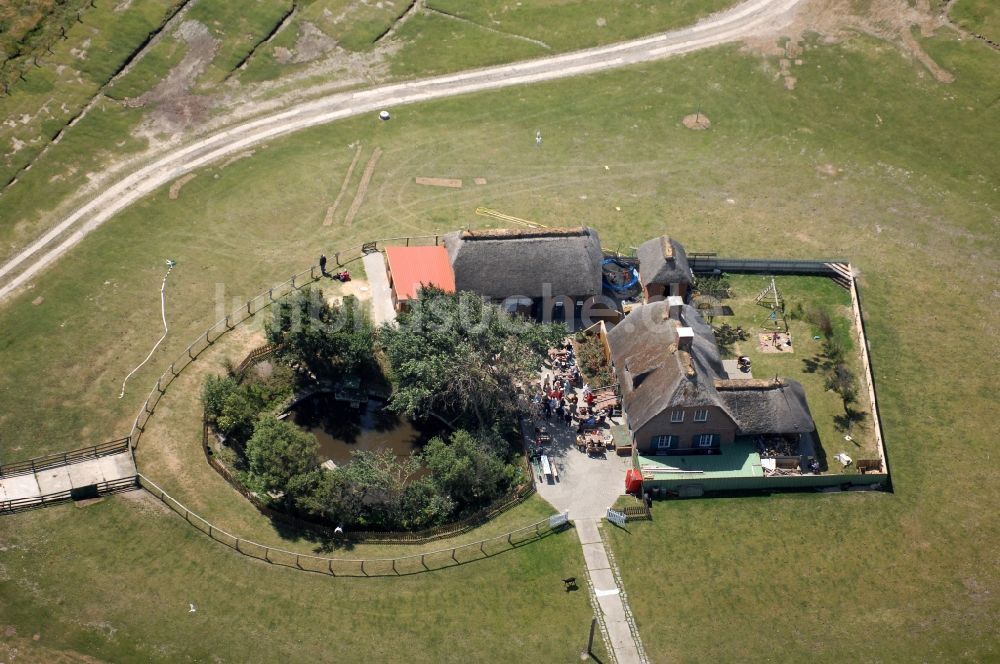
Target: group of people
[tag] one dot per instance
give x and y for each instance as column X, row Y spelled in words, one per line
column 558, row 397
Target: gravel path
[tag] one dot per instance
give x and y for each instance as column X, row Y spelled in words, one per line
column 751, row 18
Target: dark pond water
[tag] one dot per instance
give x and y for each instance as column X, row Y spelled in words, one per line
column 341, row 429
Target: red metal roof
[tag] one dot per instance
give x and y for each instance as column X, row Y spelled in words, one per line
column 413, row 267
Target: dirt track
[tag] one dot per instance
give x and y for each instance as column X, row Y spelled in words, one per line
column 753, row 18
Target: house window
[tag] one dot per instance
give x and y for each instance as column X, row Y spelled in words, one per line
column 677, row 416
column 664, row 442
column 701, row 415
column 706, row 439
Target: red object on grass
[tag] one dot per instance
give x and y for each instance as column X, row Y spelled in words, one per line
column 633, row 482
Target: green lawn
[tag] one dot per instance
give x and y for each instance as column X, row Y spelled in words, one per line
column 905, row 576
column 825, row 405
column 571, row 24
column 114, row 582
column 979, row 16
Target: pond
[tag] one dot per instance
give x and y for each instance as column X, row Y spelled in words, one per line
column 341, row 429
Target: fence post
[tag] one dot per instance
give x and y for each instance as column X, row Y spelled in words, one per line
column 172, row 369
column 422, row 561
column 394, row 567
column 266, row 551
column 508, row 539
column 158, row 389
column 336, row 257
column 189, row 353
column 453, row 555
column 293, row 281
column 248, row 307
column 363, row 568
column 206, row 336
column 297, row 561
column 210, row 531
column 481, row 544
column 270, row 294
column 238, row 545
column 332, row 573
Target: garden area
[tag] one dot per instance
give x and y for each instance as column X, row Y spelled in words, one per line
column 800, row 328
column 398, row 428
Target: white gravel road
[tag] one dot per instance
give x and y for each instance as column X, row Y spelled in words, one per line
column 751, row 18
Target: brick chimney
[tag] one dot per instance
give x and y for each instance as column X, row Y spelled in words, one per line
column 674, row 304
column 685, row 338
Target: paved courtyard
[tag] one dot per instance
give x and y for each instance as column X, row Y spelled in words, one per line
column 587, row 486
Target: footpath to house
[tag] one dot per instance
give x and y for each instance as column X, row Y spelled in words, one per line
column 378, row 281
column 624, row 639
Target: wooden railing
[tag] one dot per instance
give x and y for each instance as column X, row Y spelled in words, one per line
column 101, row 488
column 405, row 565
column 64, row 458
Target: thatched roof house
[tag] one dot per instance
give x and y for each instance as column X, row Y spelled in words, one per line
column 519, row 262
column 663, row 267
column 674, row 391
column 654, row 372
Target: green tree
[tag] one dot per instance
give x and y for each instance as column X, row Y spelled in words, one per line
column 282, row 457
column 466, row 470
column 214, row 393
column 454, row 354
column 320, row 338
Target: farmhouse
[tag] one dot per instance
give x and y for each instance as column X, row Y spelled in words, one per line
column 525, row 268
column 675, row 392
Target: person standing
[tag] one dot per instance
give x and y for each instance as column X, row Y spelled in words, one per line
column 322, row 264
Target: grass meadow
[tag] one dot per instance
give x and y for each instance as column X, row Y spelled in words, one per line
column 912, row 201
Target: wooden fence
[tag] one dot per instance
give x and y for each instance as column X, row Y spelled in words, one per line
column 252, row 307
column 101, row 488
column 64, row 458
column 368, row 567
column 254, row 356
column 637, row 512
column 370, row 537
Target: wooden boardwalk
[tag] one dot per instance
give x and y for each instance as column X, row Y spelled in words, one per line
column 78, row 476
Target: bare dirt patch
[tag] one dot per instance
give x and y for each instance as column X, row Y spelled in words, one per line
column 173, row 104
column 828, row 170
column 697, row 121
column 311, row 44
column 175, row 188
column 454, row 183
column 774, row 342
column 837, row 20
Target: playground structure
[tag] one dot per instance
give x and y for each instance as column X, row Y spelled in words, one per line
column 771, row 299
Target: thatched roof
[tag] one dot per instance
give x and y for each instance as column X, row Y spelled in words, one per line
column 506, row 262
column 767, row 406
column 663, row 261
column 654, row 375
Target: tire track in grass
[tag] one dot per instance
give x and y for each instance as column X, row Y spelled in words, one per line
column 366, row 179
column 332, row 210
